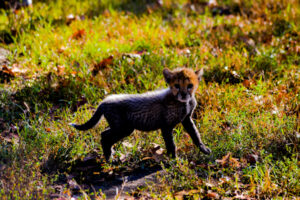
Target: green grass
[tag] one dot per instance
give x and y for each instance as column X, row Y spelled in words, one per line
column 248, row 100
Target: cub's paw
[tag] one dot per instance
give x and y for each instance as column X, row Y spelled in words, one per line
column 205, row 149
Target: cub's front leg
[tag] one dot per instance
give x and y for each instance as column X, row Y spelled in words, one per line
column 190, row 127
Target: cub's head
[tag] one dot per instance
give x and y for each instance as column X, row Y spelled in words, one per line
column 183, row 82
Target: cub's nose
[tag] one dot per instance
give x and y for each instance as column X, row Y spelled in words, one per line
column 183, row 95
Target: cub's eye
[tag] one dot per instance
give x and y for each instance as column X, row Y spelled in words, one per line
column 177, row 86
column 190, row 86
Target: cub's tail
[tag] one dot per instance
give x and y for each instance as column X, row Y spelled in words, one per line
column 92, row 122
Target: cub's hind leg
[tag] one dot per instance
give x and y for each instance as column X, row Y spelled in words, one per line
column 106, row 144
column 168, row 138
column 111, row 136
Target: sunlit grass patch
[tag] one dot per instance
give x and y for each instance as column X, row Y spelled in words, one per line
column 67, row 56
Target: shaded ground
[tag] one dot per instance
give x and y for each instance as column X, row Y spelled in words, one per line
column 93, row 175
column 122, row 185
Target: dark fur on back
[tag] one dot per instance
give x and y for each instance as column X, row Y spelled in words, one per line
column 159, row 109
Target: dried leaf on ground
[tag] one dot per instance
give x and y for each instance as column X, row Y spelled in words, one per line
column 60, row 70
column 71, row 135
column 6, row 74
column 102, row 65
column 48, row 129
column 242, row 197
column 157, row 152
column 212, row 3
column 10, row 136
column 228, row 160
column 248, row 83
column 78, row 34
column 61, row 49
column 18, row 70
column 212, row 195
column 224, row 180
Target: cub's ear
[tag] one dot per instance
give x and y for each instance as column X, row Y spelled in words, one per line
column 167, row 74
column 199, row 73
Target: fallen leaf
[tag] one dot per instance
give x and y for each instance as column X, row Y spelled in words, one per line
column 78, row 34
column 212, row 3
column 225, row 179
column 71, row 135
column 60, row 70
column 62, row 49
column 224, row 160
column 148, row 158
column 6, row 139
column 155, row 148
column 248, row 83
column 103, row 64
column 48, row 129
column 9, row 136
column 209, row 185
column 228, row 160
column 17, row 69
column 6, row 74
column 106, row 13
column 212, row 195
column 73, row 73
column 242, row 197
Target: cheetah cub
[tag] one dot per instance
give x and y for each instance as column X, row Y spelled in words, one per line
column 160, row 109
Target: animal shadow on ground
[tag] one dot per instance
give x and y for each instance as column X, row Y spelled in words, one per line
column 93, row 174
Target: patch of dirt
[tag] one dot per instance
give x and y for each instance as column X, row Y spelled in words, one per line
column 3, row 56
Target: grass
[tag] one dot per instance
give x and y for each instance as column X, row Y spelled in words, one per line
column 248, row 100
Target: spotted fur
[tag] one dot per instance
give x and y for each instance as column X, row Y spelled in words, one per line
column 160, row 109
